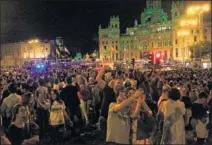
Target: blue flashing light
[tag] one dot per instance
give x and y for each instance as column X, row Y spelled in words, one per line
column 38, row 66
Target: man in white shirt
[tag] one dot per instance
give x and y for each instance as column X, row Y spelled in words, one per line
column 8, row 104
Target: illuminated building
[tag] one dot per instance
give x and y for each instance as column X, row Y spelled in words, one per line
column 20, row 52
column 154, row 36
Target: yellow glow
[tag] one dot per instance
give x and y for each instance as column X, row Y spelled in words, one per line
column 31, row 55
column 36, row 40
column 183, row 33
column 25, row 55
column 182, row 23
column 190, row 11
column 198, row 9
column 206, row 7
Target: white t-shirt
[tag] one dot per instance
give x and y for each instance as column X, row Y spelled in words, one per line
column 201, row 130
column 57, row 113
column 118, row 126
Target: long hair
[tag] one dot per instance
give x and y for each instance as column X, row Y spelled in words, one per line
column 56, row 92
column 15, row 111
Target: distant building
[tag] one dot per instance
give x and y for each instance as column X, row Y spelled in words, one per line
column 18, row 53
column 154, row 36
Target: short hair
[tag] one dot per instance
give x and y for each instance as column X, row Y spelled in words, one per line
column 25, row 86
column 203, row 95
column 42, row 82
column 174, row 94
column 12, row 88
column 69, row 80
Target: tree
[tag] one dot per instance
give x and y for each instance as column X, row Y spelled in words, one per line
column 200, row 50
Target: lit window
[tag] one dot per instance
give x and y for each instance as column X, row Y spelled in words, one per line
column 176, row 52
column 195, row 38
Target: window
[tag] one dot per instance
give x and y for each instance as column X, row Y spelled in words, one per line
column 103, row 42
column 152, row 44
column 170, row 43
column 105, row 47
column 175, row 14
column 195, row 38
column 117, row 56
column 197, row 31
column 205, row 38
column 176, row 41
column 192, row 31
column 116, row 41
column 176, row 52
column 116, row 47
column 112, row 42
column 206, row 30
column 106, row 42
column 115, row 25
column 159, row 44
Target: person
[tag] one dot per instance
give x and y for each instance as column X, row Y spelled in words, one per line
column 8, row 103
column 57, row 116
column 136, row 108
column 19, row 133
column 108, row 96
column 43, row 105
column 118, row 122
column 199, row 110
column 71, row 97
column 173, row 111
column 159, row 117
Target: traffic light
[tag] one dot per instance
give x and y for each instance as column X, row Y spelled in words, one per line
column 158, row 58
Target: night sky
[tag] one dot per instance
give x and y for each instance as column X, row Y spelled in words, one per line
column 76, row 21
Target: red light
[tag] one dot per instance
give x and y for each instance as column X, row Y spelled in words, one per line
column 158, row 55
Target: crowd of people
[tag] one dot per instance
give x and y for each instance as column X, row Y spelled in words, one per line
column 126, row 106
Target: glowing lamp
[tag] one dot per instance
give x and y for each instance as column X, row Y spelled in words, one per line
column 158, row 55
column 38, row 66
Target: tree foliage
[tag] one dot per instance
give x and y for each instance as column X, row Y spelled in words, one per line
column 200, row 50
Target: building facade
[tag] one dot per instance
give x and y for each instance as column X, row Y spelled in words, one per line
column 18, row 53
column 155, row 35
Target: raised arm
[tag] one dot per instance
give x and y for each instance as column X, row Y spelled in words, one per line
column 127, row 102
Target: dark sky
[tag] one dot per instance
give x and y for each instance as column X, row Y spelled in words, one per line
column 76, row 21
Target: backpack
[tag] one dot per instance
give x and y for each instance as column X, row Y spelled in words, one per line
column 145, row 126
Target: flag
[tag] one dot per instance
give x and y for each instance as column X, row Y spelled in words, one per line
column 66, row 50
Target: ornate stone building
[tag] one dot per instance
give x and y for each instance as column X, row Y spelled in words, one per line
column 155, row 36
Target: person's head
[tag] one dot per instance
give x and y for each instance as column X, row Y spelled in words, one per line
column 55, row 95
column 203, row 96
column 19, row 112
column 118, row 84
column 166, row 89
column 174, row 94
column 28, row 99
column 24, row 87
column 12, row 88
column 69, row 80
column 121, row 95
column 41, row 82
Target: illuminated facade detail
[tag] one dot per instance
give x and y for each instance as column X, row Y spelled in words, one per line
column 18, row 53
column 155, row 34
